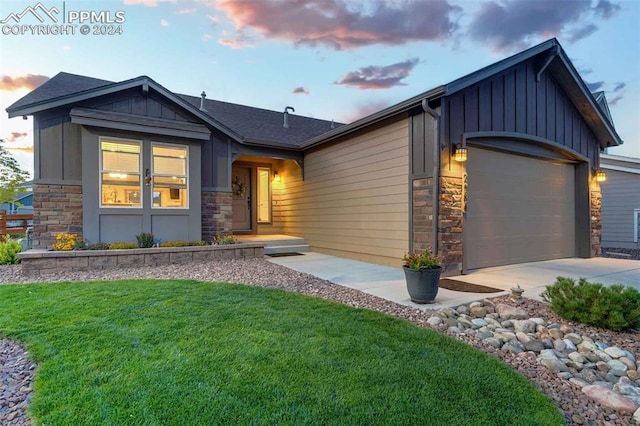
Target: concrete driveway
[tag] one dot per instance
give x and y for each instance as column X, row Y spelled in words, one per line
column 389, row 283
column 534, row 276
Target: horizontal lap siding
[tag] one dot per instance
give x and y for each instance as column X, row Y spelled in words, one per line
column 354, row 199
column 620, row 196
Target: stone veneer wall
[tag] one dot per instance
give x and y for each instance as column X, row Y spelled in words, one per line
column 217, row 214
column 41, row 262
column 596, row 222
column 422, row 193
column 56, row 209
column 450, row 222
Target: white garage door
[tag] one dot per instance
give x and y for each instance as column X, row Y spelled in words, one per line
column 519, row 209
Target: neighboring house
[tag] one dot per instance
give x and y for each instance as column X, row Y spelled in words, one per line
column 621, row 202
column 23, row 201
column 115, row 159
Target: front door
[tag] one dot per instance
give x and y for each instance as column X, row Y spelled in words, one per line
column 241, row 189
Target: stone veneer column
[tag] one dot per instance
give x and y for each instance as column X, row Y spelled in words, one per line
column 56, row 209
column 450, row 224
column 217, row 214
column 596, row 222
column 422, row 193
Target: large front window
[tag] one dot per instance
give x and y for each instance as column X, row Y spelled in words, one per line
column 170, row 176
column 120, row 177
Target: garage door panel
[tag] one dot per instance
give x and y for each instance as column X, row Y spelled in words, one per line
column 519, row 210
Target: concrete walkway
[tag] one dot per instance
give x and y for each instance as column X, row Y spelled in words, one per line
column 388, row 283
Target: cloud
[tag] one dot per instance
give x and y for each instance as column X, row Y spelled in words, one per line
column 514, row 25
column 300, row 90
column 379, row 77
column 16, row 136
column 582, row 32
column 606, row 9
column 239, row 40
column 206, row 37
column 29, row 81
column 187, row 11
column 595, row 86
column 342, row 24
column 164, row 23
column 148, row 3
column 619, row 86
column 364, row 109
column 614, row 101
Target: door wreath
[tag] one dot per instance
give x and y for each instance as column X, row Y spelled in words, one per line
column 238, row 188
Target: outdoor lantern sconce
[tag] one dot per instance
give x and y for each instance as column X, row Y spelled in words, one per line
column 460, row 154
column 276, row 177
column 601, row 176
column 147, row 177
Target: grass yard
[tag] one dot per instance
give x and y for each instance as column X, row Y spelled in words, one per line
column 182, row 353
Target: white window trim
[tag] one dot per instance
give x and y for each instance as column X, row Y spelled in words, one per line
column 636, row 224
column 101, row 171
column 269, row 195
column 153, row 174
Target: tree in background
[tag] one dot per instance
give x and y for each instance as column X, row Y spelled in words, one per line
column 11, row 175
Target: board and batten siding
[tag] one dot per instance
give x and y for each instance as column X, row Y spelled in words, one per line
column 515, row 102
column 620, row 196
column 354, row 199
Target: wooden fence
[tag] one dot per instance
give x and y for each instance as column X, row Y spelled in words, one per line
column 15, row 223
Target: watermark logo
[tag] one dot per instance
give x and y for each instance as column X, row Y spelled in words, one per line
column 62, row 21
column 33, row 10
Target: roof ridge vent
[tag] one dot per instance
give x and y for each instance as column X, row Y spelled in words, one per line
column 202, row 97
column 286, row 116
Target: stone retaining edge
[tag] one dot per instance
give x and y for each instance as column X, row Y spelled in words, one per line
column 41, row 262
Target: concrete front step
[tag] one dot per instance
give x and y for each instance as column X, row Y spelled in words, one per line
column 300, row 248
column 277, row 244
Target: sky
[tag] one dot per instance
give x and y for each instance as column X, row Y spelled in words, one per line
column 330, row 59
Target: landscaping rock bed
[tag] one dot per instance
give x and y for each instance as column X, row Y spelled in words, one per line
column 580, row 407
column 16, row 376
column 621, row 253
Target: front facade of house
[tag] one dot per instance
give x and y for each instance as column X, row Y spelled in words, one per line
column 621, row 202
column 116, row 159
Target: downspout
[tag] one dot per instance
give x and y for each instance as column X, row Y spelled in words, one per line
column 436, row 169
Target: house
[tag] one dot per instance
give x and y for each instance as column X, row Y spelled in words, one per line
column 115, row 159
column 23, row 201
column 621, row 202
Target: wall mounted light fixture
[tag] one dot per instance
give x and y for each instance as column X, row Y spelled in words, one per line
column 276, row 177
column 601, row 176
column 460, row 153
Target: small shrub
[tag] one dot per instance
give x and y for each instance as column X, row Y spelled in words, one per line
column 99, row 246
column 8, row 250
column 224, row 239
column 145, row 239
column 122, row 246
column 616, row 307
column 197, row 243
column 175, row 243
column 67, row 242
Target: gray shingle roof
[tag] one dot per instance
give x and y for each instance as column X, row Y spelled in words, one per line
column 60, row 85
column 262, row 125
column 253, row 124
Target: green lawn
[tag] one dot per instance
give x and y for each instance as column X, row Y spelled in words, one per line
column 183, row 352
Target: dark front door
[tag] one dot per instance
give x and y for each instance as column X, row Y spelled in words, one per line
column 241, row 187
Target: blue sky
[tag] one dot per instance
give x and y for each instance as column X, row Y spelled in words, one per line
column 328, row 59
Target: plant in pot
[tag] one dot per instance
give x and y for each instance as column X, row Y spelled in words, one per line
column 422, row 272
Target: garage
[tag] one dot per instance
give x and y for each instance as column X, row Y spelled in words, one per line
column 519, row 209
